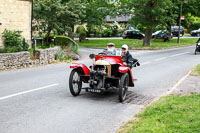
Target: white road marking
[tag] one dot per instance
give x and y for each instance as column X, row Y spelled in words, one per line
column 160, row 59
column 172, row 89
column 29, row 91
column 145, row 63
column 178, row 83
column 163, row 58
column 179, row 54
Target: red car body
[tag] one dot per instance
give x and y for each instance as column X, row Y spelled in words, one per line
column 113, row 60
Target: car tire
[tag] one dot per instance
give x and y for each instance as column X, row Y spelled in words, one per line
column 195, row 52
column 75, row 79
column 126, row 37
column 123, row 87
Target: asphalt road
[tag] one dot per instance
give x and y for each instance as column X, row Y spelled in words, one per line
column 37, row 100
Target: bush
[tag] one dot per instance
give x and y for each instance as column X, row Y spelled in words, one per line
column 63, row 57
column 61, row 41
column 194, row 26
column 107, row 33
column 82, row 33
column 64, row 41
column 114, row 29
column 12, row 38
column 13, row 42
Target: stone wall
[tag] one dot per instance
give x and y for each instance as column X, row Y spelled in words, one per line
column 15, row 15
column 19, row 60
column 14, row 60
column 46, row 56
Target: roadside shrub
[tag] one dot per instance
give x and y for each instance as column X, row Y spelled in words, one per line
column 12, row 38
column 107, row 32
column 63, row 57
column 194, row 26
column 13, row 42
column 64, row 41
column 114, row 29
column 61, row 41
column 82, row 33
column 74, row 49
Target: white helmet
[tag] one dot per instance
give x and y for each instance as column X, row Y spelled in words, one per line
column 125, row 46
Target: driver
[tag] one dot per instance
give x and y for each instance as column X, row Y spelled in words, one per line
column 110, row 50
column 126, row 56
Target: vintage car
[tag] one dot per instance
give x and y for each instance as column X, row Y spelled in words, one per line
column 107, row 72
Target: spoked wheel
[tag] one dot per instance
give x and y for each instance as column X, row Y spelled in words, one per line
column 123, row 87
column 75, row 83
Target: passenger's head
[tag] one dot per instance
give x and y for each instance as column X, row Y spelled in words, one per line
column 111, row 46
column 124, row 48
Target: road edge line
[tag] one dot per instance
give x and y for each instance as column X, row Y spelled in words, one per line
column 178, row 83
column 173, row 88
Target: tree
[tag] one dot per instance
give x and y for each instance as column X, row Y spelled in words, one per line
column 57, row 15
column 150, row 14
column 96, row 12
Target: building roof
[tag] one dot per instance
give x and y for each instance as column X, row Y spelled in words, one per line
column 118, row 18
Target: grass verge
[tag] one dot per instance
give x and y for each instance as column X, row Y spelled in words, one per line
column 168, row 115
column 196, row 71
column 137, row 44
column 102, row 43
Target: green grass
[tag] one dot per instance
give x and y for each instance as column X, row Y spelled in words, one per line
column 171, row 114
column 196, row 71
column 102, row 43
column 137, row 44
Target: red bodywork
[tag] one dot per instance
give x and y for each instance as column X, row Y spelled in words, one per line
column 82, row 67
column 112, row 60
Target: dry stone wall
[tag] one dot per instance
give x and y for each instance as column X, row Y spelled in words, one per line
column 19, row 60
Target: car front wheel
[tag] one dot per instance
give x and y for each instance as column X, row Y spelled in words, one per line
column 75, row 83
column 123, row 87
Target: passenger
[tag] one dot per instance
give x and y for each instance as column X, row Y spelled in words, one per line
column 110, row 50
column 126, row 56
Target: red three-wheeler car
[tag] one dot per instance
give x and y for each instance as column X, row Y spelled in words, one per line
column 107, row 72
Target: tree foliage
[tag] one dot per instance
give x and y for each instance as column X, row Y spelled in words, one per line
column 57, row 15
column 157, row 14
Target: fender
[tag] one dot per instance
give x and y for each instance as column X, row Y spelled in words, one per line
column 127, row 70
column 81, row 67
column 123, row 69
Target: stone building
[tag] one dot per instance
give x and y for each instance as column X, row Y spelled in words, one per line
column 16, row 15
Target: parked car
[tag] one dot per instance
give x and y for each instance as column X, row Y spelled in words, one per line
column 175, row 29
column 132, row 34
column 161, row 34
column 195, row 32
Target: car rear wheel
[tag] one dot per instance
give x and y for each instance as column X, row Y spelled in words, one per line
column 196, row 51
column 123, row 87
column 75, row 83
